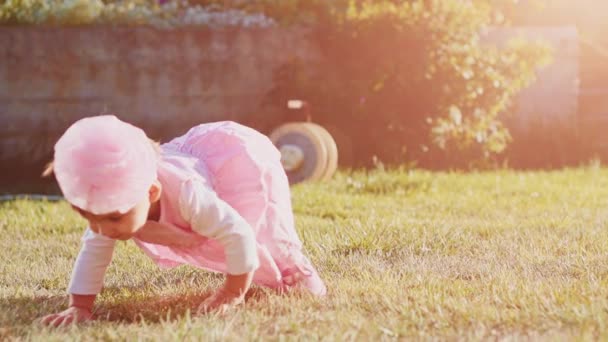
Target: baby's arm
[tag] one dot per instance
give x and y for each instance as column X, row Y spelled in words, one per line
column 212, row 217
column 87, row 279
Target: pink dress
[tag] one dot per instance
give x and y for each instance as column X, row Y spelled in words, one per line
column 243, row 168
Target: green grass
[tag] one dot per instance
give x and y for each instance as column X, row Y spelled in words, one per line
column 405, row 254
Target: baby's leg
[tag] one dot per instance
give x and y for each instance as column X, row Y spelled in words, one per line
column 248, row 175
column 265, row 203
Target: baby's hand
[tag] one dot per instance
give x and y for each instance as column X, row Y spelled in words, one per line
column 68, row 316
column 220, row 301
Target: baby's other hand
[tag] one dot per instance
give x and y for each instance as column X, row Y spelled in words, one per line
column 68, row 316
column 220, row 301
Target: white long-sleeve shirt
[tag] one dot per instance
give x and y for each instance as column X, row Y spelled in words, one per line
column 208, row 216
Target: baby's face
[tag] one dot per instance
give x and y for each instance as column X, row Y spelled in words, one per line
column 116, row 225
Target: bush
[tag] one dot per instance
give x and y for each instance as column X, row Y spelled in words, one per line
column 170, row 13
column 77, row 12
column 411, row 79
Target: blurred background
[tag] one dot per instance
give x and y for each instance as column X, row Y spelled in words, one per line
column 437, row 84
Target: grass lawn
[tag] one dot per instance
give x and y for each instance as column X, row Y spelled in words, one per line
column 405, row 254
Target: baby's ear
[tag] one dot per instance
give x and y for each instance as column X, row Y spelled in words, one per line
column 48, row 169
column 155, row 191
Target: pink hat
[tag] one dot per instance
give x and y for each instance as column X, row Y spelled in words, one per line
column 104, row 165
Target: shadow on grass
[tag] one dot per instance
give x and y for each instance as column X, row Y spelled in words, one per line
column 19, row 314
column 157, row 308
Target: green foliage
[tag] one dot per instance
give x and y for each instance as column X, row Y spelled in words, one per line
column 85, row 12
column 411, row 80
column 481, row 82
